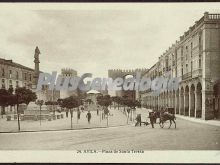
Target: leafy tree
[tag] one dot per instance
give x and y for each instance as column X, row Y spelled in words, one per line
column 12, row 98
column 4, row 98
column 23, row 95
column 104, row 101
column 89, row 101
column 70, row 103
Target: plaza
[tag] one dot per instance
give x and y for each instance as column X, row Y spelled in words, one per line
column 63, row 119
column 188, row 136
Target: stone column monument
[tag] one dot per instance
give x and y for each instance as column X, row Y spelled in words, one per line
column 36, row 69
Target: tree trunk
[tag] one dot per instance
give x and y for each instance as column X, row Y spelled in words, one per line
column 18, row 118
column 40, row 115
column 3, row 111
column 71, row 117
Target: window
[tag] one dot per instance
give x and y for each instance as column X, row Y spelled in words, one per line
column 199, row 40
column 166, row 63
column 17, row 75
column 10, row 84
column 10, row 73
column 3, row 83
column 30, row 77
column 186, row 68
column 3, row 72
column 200, row 63
column 182, row 70
column 17, row 84
column 25, row 76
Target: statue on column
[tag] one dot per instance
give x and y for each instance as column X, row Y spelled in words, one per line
column 37, row 68
column 37, row 52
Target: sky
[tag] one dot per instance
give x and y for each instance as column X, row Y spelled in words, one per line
column 95, row 40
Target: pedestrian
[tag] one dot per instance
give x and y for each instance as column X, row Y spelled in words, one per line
column 89, row 116
column 82, row 108
column 78, row 114
column 67, row 113
column 138, row 119
column 152, row 118
column 215, row 113
column 165, row 111
column 97, row 111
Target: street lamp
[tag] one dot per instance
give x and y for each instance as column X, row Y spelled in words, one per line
column 40, row 103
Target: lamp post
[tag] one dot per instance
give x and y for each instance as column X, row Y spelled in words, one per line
column 40, row 103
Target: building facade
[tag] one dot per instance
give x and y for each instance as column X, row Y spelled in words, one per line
column 195, row 59
column 13, row 75
column 67, row 73
column 124, row 74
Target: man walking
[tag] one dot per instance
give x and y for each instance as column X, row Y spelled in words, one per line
column 152, row 118
column 78, row 114
column 89, row 116
column 138, row 119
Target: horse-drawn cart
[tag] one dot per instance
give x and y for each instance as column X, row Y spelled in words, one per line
column 168, row 115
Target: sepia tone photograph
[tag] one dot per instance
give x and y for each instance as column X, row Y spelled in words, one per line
column 97, row 79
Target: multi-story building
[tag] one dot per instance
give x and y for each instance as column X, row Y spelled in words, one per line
column 15, row 75
column 195, row 59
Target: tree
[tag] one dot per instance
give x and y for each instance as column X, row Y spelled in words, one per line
column 12, row 98
column 131, row 104
column 117, row 100
column 25, row 96
column 89, row 101
column 104, row 101
column 4, row 98
column 70, row 103
column 52, row 103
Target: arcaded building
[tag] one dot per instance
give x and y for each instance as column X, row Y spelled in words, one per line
column 195, row 59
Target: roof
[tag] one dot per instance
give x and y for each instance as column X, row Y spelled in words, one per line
column 14, row 64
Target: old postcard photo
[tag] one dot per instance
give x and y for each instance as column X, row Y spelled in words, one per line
column 116, row 82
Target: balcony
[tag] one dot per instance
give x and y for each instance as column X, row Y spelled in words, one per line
column 187, row 75
column 214, row 16
column 197, row 73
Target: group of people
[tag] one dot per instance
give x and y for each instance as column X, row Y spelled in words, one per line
column 152, row 116
column 88, row 115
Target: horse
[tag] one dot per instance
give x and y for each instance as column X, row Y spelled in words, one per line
column 167, row 116
column 156, row 116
